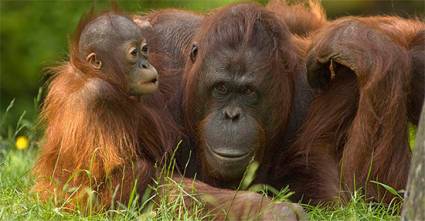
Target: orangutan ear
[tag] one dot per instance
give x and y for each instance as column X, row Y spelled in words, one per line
column 93, row 61
column 194, row 51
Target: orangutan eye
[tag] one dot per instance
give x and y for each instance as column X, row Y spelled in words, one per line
column 133, row 52
column 144, row 49
column 248, row 91
column 220, row 88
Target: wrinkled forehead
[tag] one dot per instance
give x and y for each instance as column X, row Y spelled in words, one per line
column 234, row 63
column 107, row 30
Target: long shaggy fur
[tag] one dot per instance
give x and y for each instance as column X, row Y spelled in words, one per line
column 97, row 137
column 356, row 130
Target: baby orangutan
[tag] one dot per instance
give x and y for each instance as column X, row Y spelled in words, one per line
column 98, row 138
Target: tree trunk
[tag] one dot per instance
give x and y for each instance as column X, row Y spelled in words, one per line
column 414, row 204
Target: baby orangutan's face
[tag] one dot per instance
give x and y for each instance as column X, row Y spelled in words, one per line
column 114, row 44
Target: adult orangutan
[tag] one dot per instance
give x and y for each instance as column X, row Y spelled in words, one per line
column 370, row 80
column 245, row 94
column 102, row 138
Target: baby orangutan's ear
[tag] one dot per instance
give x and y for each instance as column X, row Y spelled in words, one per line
column 93, row 61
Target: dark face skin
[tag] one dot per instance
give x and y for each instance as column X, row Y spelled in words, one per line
column 114, row 44
column 231, row 131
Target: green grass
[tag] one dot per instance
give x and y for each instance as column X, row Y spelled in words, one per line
column 17, row 202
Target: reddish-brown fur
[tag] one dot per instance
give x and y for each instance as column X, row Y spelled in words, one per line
column 97, row 136
column 301, row 19
column 356, row 130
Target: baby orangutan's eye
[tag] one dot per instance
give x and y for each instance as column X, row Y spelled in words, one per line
column 144, row 49
column 133, row 52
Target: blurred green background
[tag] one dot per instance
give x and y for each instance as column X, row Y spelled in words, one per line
column 34, row 35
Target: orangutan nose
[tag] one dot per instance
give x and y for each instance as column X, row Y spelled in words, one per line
column 232, row 113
